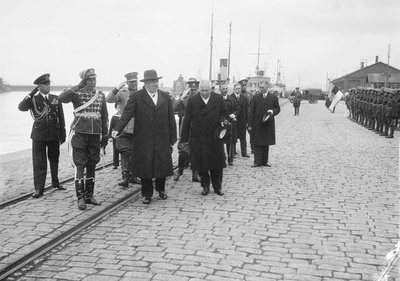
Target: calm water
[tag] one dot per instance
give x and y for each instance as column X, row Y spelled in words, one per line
column 15, row 129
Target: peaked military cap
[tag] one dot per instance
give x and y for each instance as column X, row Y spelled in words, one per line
column 243, row 81
column 42, row 79
column 193, row 83
column 131, row 76
column 87, row 73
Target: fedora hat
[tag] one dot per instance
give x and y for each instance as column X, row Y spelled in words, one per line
column 223, row 132
column 268, row 116
column 150, row 75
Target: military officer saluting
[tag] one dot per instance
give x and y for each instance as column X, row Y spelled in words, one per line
column 89, row 133
column 48, row 132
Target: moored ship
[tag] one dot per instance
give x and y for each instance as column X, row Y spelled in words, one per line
column 4, row 87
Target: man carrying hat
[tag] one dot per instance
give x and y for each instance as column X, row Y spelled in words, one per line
column 242, row 99
column 120, row 97
column 264, row 107
column 88, row 133
column 180, row 107
column 154, row 134
column 205, row 113
column 232, row 108
column 48, row 132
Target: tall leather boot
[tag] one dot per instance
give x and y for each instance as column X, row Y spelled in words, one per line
column 385, row 133
column 392, row 129
column 89, row 199
column 80, row 194
column 125, row 179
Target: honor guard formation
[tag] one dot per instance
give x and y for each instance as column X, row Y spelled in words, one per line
column 143, row 131
column 375, row 109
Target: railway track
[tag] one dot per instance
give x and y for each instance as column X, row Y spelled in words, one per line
column 53, row 243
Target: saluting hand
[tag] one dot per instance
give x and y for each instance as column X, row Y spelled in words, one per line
column 34, row 91
column 121, row 85
column 83, row 82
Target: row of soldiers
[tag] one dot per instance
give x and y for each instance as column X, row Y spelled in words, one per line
column 375, row 109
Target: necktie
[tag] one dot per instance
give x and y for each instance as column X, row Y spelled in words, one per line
column 47, row 100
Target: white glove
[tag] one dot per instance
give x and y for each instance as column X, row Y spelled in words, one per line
column 114, row 134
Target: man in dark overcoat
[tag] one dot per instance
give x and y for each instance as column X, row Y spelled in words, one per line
column 242, row 114
column 204, row 114
column 48, row 132
column 263, row 132
column 296, row 96
column 232, row 108
column 154, row 134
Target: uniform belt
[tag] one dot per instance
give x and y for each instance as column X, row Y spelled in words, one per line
column 89, row 115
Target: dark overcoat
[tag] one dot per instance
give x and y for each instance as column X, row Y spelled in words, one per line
column 199, row 126
column 263, row 133
column 241, row 116
column 52, row 126
column 232, row 107
column 154, row 134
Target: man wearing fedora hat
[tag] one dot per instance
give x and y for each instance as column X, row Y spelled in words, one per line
column 120, row 96
column 262, row 126
column 205, row 113
column 48, row 132
column 89, row 133
column 180, row 107
column 154, row 134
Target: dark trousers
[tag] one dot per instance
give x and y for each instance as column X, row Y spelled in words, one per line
column 215, row 176
column 243, row 146
column 115, row 154
column 147, row 186
column 261, row 154
column 85, row 154
column 230, row 151
column 41, row 150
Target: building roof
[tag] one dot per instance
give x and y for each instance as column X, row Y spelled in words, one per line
column 381, row 78
column 369, row 68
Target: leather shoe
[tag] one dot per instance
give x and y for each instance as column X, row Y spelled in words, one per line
column 60, row 187
column 266, row 165
column 124, row 183
column 37, row 194
column 205, row 191
column 219, row 192
column 91, row 200
column 177, row 175
column 255, row 166
column 162, row 195
column 230, row 164
column 245, row 155
column 135, row 180
column 146, row 200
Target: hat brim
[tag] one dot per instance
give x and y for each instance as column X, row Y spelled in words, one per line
column 144, row 80
column 221, row 134
column 130, row 80
column 267, row 117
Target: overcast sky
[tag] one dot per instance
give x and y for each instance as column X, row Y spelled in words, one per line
column 311, row 38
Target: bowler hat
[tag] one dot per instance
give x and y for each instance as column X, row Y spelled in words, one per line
column 87, row 73
column 222, row 132
column 131, row 76
column 268, row 116
column 42, row 79
column 150, row 75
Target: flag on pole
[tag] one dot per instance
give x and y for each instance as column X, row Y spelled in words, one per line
column 334, row 95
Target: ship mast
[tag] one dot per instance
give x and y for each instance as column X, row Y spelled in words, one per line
column 258, row 57
column 211, row 45
column 229, row 53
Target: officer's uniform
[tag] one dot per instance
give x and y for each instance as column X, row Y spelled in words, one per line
column 88, row 132
column 48, row 131
column 124, row 143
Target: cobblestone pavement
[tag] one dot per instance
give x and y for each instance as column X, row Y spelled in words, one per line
column 327, row 209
